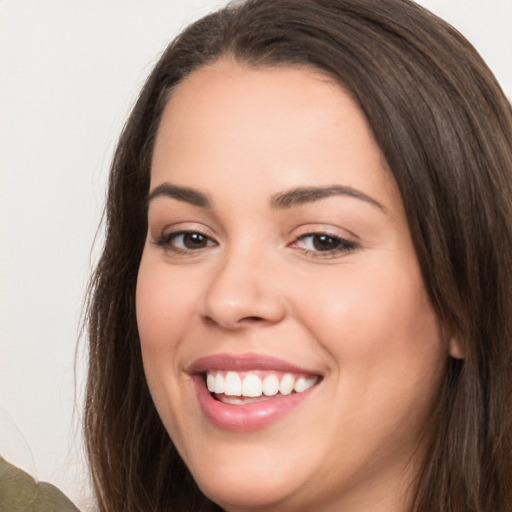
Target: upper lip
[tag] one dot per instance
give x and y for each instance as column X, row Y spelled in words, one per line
column 245, row 363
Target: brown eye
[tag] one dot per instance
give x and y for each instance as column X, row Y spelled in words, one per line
column 184, row 241
column 324, row 243
column 194, row 241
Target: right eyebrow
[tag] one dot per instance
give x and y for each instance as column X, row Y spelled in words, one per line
column 302, row 195
column 186, row 194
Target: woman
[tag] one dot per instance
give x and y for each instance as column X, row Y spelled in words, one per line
column 304, row 298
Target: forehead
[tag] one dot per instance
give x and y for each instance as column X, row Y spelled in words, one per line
column 285, row 125
column 228, row 91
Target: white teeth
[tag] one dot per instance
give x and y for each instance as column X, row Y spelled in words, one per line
column 219, row 383
column 233, row 384
column 232, row 400
column 252, row 385
column 286, row 385
column 210, row 382
column 271, row 385
column 302, row 384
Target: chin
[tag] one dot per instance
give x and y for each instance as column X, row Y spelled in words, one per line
column 247, row 498
column 240, row 490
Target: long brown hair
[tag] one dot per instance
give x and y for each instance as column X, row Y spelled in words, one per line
column 445, row 128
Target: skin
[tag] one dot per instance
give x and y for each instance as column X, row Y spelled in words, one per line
column 360, row 317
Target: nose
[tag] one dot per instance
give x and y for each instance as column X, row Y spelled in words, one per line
column 243, row 291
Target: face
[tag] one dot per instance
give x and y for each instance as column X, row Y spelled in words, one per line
column 288, row 340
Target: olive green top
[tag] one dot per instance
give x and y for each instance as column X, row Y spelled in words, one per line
column 20, row 493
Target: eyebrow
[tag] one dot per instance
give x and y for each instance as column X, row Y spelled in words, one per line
column 283, row 200
column 186, row 194
column 302, row 195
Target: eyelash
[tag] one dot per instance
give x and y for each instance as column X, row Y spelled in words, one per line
column 341, row 245
column 165, row 240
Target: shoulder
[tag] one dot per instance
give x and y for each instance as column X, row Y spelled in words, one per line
column 19, row 492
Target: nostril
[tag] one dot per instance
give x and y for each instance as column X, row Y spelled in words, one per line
column 252, row 319
column 244, row 322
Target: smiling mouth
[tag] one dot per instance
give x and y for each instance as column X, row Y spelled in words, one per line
column 240, row 388
column 248, row 392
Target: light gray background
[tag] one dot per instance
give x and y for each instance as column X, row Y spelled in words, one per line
column 69, row 71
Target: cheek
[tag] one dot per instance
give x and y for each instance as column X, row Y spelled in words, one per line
column 382, row 338
column 374, row 319
column 165, row 305
column 165, row 302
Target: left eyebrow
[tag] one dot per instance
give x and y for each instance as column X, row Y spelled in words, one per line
column 302, row 195
column 185, row 194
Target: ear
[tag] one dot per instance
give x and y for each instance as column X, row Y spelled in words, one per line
column 455, row 349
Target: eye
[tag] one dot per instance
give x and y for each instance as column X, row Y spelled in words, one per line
column 324, row 244
column 184, row 241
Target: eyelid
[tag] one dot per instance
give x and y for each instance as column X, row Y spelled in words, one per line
column 329, row 235
column 162, row 238
column 313, row 228
column 346, row 244
column 167, row 228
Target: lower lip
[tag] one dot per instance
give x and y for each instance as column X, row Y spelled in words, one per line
column 247, row 417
